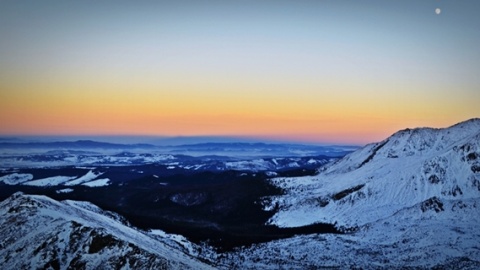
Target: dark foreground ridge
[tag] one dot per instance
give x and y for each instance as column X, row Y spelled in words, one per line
column 221, row 208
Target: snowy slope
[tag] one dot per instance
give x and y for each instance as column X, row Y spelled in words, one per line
column 49, row 181
column 89, row 176
column 16, row 178
column 417, row 237
column 89, row 179
column 98, row 183
column 411, row 201
column 373, row 183
column 38, row 232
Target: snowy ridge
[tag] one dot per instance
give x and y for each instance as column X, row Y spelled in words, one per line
column 381, row 179
column 60, row 235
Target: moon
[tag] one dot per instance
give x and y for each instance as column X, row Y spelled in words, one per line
column 438, row 11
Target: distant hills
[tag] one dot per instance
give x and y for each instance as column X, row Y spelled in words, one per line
column 199, row 149
column 80, row 144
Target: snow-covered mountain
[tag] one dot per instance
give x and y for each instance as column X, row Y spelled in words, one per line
column 414, row 166
column 38, row 232
column 411, row 201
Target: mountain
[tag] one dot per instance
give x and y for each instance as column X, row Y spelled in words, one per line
column 79, row 144
column 412, row 166
column 431, row 235
column 239, row 149
column 26, row 154
column 409, row 201
column 39, row 232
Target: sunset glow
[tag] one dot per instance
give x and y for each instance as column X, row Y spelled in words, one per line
column 323, row 71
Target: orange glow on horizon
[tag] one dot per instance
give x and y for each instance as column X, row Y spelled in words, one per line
column 290, row 71
column 115, row 109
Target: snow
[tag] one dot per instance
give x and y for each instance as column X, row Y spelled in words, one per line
column 271, row 174
column 64, row 231
column 65, row 190
column 16, row 178
column 251, row 165
column 92, row 161
column 176, row 238
column 157, row 158
column 409, row 238
column 98, row 183
column 49, row 181
column 410, row 201
column 89, row 176
column 197, row 167
column 293, row 165
column 274, row 161
column 403, row 170
column 80, row 160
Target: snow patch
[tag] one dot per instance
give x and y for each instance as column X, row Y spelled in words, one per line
column 65, row 190
column 271, row 174
column 89, row 176
column 50, row 181
column 98, row 183
column 16, row 178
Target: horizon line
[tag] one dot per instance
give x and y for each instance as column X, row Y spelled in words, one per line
column 165, row 138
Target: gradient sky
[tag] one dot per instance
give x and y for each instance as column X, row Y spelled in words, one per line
column 317, row 71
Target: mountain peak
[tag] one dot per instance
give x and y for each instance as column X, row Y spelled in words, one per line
column 471, row 121
column 409, row 167
column 408, row 142
column 472, row 124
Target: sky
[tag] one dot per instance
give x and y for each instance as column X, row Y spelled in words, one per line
column 312, row 71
